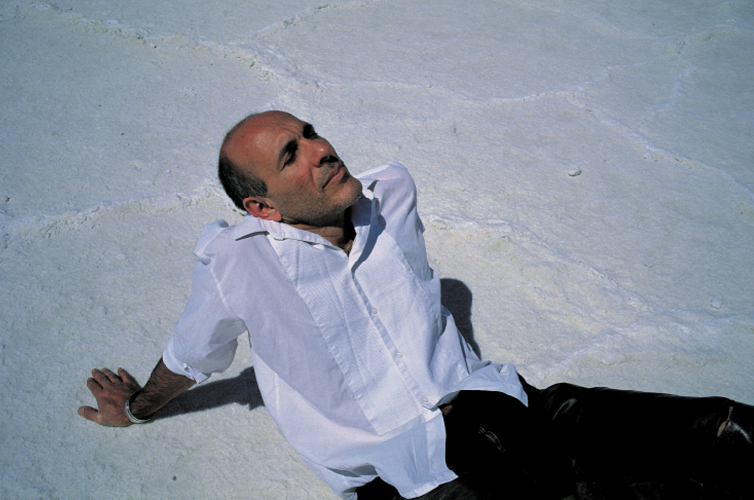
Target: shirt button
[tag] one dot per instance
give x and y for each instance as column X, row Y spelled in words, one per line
column 374, row 310
column 425, row 399
column 400, row 355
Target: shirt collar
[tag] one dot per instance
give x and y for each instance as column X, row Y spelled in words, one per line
column 253, row 225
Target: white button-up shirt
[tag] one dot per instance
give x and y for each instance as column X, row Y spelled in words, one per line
column 352, row 353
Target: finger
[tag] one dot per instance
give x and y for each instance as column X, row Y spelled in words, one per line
column 101, row 378
column 98, row 375
column 112, row 377
column 89, row 413
column 93, row 385
column 126, row 377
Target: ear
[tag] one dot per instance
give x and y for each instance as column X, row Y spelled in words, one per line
column 261, row 207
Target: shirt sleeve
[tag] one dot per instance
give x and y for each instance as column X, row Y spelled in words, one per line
column 396, row 191
column 205, row 338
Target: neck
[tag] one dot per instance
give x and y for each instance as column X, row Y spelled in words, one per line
column 340, row 232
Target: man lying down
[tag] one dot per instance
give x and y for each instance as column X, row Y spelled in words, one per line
column 366, row 374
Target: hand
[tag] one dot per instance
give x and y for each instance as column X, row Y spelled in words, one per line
column 111, row 392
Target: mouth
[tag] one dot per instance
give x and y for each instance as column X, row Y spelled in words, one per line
column 335, row 174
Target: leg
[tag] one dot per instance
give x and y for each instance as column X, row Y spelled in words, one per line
column 498, row 450
column 497, row 444
column 623, row 442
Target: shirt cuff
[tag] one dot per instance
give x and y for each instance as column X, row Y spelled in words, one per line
column 179, row 367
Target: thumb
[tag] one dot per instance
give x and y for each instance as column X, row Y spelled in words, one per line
column 89, row 413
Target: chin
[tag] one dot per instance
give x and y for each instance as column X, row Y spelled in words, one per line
column 355, row 185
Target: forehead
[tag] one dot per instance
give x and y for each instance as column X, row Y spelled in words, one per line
column 260, row 138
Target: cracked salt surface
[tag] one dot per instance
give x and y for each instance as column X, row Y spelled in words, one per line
column 637, row 273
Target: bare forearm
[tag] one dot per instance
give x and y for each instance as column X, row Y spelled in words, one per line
column 162, row 386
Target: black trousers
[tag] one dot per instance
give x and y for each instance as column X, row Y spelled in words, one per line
column 581, row 443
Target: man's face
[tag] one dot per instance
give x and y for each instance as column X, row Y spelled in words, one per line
column 307, row 183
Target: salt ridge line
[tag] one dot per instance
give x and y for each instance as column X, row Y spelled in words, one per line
column 32, row 228
column 258, row 55
column 142, row 35
column 632, row 135
column 671, row 158
column 307, row 14
column 254, row 52
column 294, row 74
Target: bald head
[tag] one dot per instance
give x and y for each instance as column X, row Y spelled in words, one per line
column 234, row 170
column 243, row 141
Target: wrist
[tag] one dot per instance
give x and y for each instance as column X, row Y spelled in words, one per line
column 127, row 409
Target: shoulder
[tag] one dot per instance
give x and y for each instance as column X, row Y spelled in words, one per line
column 395, row 194
column 391, row 171
column 389, row 179
column 210, row 234
column 220, row 238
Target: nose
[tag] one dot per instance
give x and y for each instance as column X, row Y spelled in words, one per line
column 320, row 153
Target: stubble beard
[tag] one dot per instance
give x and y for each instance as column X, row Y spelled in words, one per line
column 334, row 216
column 322, row 214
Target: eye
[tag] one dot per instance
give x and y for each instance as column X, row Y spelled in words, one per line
column 290, row 151
column 291, row 158
column 291, row 148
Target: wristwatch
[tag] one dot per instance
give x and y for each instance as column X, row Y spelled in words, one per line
column 130, row 416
